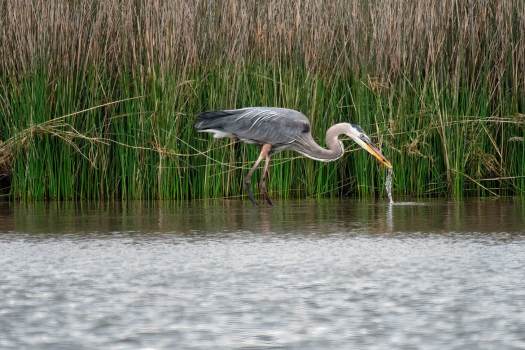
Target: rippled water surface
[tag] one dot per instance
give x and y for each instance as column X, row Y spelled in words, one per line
column 225, row 275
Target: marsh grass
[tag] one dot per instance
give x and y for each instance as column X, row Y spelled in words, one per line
column 98, row 98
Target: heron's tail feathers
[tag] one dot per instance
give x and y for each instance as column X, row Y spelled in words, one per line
column 216, row 122
column 212, row 119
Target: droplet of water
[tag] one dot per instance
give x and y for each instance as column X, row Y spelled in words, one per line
column 388, row 185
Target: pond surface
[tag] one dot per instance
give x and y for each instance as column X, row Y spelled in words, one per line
column 300, row 275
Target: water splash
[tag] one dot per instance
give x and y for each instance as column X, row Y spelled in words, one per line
column 388, row 185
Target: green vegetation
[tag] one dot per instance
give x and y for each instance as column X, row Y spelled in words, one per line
column 98, row 98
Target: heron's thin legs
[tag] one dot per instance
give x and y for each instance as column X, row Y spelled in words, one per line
column 248, row 178
column 262, row 184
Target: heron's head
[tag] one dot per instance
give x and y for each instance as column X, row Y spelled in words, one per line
column 358, row 135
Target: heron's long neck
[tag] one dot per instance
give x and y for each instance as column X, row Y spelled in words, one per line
column 335, row 147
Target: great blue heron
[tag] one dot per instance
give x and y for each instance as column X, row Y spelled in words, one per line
column 277, row 129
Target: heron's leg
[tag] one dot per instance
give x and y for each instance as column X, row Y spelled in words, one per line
column 262, row 184
column 248, row 178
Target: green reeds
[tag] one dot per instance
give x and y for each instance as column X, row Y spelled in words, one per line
column 439, row 87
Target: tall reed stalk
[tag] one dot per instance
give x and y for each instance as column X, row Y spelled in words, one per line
column 98, row 98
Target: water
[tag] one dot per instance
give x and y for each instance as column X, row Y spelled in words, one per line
column 300, row 275
column 388, row 186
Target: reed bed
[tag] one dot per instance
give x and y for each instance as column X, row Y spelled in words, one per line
column 98, row 98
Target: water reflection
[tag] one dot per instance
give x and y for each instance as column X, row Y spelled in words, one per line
column 288, row 217
column 225, row 275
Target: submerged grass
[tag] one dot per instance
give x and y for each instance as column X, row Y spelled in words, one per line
column 439, row 86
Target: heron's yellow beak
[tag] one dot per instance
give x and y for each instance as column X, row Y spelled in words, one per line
column 373, row 150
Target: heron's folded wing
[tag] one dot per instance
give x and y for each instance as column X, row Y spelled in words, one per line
column 267, row 125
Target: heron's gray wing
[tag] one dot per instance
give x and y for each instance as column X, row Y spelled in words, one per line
column 276, row 126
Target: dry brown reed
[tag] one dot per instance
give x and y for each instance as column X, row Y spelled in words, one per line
column 387, row 39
